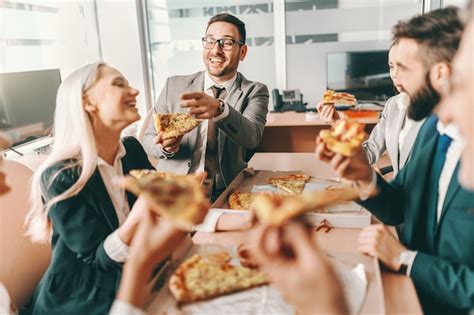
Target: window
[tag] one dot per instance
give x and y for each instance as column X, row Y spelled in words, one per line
column 317, row 28
column 37, row 35
column 176, row 28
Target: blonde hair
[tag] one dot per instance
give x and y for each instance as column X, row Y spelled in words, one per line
column 74, row 147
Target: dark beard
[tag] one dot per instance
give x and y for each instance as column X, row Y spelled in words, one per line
column 423, row 101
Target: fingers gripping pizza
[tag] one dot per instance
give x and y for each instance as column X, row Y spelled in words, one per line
column 175, row 124
column 345, row 137
column 178, row 197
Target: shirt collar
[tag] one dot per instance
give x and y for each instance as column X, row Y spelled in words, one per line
column 450, row 129
column 120, row 154
column 208, row 82
column 402, row 101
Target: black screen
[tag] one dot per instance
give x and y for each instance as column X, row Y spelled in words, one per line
column 365, row 74
column 27, row 102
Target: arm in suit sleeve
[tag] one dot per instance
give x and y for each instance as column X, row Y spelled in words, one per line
column 375, row 146
column 140, row 158
column 387, row 205
column 451, row 283
column 246, row 129
column 79, row 225
column 149, row 136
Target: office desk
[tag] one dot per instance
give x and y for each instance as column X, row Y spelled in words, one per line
column 292, row 132
column 399, row 292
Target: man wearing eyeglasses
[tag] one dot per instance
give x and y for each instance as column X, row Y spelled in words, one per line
column 234, row 110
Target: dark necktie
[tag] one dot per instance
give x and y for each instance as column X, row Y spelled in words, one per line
column 211, row 160
column 444, row 141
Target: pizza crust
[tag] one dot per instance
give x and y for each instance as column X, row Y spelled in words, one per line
column 174, row 124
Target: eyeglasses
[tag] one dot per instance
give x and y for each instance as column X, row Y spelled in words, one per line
column 224, row 43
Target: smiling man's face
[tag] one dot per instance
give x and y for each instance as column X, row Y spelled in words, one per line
column 222, row 64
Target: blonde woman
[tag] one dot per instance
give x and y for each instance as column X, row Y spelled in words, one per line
column 75, row 204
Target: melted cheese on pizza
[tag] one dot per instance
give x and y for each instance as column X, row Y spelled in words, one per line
column 339, row 98
column 291, row 184
column 241, row 201
column 344, row 137
column 199, row 278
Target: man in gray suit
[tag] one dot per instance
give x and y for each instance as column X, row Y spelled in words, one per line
column 234, row 110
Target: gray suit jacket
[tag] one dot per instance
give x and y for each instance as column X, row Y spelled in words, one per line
column 385, row 136
column 242, row 129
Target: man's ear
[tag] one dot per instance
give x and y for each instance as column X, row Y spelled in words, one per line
column 243, row 52
column 440, row 74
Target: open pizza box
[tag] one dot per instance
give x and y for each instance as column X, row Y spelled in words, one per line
column 359, row 274
column 345, row 215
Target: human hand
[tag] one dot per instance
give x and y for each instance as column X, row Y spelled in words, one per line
column 199, row 104
column 170, row 145
column 353, row 168
column 327, row 112
column 140, row 209
column 154, row 240
column 295, row 265
column 377, row 241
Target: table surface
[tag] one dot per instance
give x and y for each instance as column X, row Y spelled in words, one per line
column 397, row 288
column 288, row 119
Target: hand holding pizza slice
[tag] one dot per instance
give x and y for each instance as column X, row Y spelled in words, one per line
column 177, row 197
column 345, row 137
column 278, row 211
column 174, row 125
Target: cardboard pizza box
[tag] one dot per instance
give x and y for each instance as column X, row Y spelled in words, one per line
column 345, row 215
column 162, row 302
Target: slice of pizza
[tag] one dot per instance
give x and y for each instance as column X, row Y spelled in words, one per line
column 180, row 198
column 175, row 124
column 339, row 98
column 200, row 279
column 241, row 200
column 139, row 173
column 278, row 211
column 345, row 137
column 292, row 184
column 244, row 200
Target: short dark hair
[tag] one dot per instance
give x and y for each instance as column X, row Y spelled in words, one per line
column 438, row 33
column 229, row 18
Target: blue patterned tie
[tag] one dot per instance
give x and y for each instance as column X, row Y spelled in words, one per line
column 444, row 141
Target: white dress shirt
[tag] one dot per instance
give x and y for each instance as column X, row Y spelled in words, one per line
column 115, row 248
column 199, row 154
column 402, row 103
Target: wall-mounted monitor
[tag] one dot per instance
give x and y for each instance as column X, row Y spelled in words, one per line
column 363, row 73
column 27, row 102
